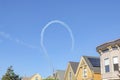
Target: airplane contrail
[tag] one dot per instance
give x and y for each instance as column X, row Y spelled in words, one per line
column 42, row 37
column 16, row 40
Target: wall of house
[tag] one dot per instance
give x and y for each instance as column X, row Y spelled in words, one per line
column 109, row 54
column 67, row 74
column 79, row 75
column 38, row 76
column 97, row 76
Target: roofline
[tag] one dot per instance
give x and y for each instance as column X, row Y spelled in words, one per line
column 59, row 70
column 68, row 66
column 85, row 58
column 73, row 62
column 72, row 67
column 89, row 63
column 111, row 43
column 91, row 56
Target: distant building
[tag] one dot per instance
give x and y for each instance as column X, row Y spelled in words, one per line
column 71, row 71
column 110, row 60
column 59, row 74
column 88, row 68
column 34, row 77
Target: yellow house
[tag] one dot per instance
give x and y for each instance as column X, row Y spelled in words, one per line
column 34, row 77
column 71, row 71
column 88, row 68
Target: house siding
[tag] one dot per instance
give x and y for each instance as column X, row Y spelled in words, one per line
column 90, row 74
column 97, row 76
column 80, row 74
column 69, row 69
column 38, row 77
column 113, row 50
column 33, row 77
column 110, row 54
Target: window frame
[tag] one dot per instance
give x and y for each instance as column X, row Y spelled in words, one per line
column 107, row 65
column 84, row 72
column 115, row 63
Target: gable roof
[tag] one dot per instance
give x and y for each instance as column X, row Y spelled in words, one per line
column 74, row 66
column 29, row 78
column 93, row 63
column 60, row 73
column 71, row 66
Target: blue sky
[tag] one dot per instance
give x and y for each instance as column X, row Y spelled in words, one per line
column 21, row 21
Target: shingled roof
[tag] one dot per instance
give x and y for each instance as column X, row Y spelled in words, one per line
column 60, row 74
column 74, row 66
column 111, row 43
column 93, row 63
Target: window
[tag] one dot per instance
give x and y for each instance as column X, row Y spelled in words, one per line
column 115, row 63
column 105, row 50
column 114, row 48
column 70, row 76
column 84, row 72
column 107, row 67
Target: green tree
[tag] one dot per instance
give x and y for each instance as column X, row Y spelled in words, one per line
column 10, row 75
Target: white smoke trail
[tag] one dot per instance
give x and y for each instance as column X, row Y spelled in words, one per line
column 42, row 36
column 8, row 36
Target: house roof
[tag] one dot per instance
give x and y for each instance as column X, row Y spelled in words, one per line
column 111, row 43
column 74, row 66
column 29, row 78
column 93, row 63
column 71, row 66
column 60, row 73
